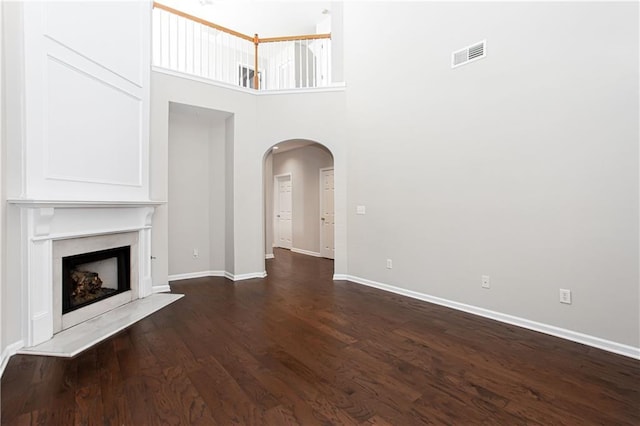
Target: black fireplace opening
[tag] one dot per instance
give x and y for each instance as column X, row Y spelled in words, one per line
column 90, row 277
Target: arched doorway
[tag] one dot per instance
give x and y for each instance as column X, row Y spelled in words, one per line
column 299, row 198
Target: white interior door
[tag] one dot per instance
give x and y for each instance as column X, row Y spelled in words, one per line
column 327, row 214
column 283, row 229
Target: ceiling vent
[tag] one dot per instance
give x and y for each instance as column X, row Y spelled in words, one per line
column 469, row 54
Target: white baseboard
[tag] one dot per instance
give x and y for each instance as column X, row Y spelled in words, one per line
column 269, row 256
column 596, row 342
column 307, row 252
column 8, row 352
column 225, row 274
column 160, row 288
column 241, row 277
column 201, row 274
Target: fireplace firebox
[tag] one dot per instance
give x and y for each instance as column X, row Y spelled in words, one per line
column 90, row 277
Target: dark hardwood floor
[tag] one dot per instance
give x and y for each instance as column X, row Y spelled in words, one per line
column 298, row 348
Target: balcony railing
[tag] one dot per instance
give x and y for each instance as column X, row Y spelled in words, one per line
column 188, row 44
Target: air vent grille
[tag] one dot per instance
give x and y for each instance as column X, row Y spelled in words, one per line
column 468, row 54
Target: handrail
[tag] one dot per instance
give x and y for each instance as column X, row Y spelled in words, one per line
column 202, row 21
column 256, row 40
column 295, row 38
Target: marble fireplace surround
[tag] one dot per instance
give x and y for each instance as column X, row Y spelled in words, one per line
column 83, row 245
column 51, row 229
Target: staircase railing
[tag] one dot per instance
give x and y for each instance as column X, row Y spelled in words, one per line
column 188, row 44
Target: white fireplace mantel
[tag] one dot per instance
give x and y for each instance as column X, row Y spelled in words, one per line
column 23, row 202
column 42, row 222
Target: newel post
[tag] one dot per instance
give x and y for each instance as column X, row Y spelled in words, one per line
column 256, row 79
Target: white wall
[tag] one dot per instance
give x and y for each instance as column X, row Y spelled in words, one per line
column 248, row 136
column 3, row 230
column 304, row 165
column 188, row 197
column 166, row 89
column 229, row 205
column 320, row 117
column 12, row 70
column 196, row 197
column 217, row 195
column 522, row 166
column 268, row 205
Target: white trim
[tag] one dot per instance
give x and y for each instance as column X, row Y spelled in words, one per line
column 201, row 274
column 160, row 288
column 269, row 256
column 334, row 87
column 33, row 203
column 217, row 83
column 596, row 342
column 307, row 252
column 97, row 233
column 242, row 277
column 225, row 274
column 8, row 352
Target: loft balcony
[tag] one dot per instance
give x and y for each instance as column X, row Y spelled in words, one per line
column 190, row 45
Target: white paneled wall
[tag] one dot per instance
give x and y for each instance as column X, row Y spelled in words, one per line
column 85, row 132
column 77, row 95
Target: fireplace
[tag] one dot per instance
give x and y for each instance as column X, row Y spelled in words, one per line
column 50, row 231
column 91, row 277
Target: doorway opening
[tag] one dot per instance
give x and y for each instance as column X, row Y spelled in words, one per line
column 299, row 199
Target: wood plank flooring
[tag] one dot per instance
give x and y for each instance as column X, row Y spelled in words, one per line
column 297, row 348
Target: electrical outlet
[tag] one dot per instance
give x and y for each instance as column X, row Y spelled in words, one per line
column 565, row 296
column 389, row 263
column 196, row 253
column 486, row 281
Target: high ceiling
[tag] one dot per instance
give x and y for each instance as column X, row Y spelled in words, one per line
column 267, row 18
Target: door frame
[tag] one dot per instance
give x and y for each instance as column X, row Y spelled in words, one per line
column 276, row 206
column 324, row 169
